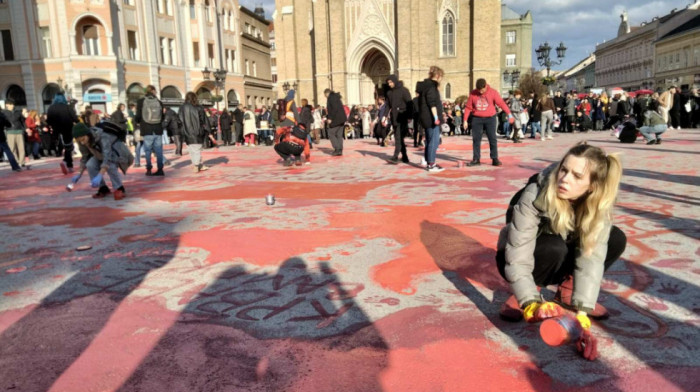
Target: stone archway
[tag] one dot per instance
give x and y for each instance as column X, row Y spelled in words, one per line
column 374, row 70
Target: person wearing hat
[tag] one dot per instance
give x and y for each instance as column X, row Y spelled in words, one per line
column 103, row 153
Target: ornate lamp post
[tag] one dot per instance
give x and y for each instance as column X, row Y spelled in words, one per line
column 543, row 55
column 219, row 79
column 286, row 86
column 511, row 77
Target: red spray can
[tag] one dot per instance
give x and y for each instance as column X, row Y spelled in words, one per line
column 561, row 330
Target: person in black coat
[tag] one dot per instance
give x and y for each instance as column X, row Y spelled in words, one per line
column 401, row 110
column 674, row 113
column 118, row 116
column 225, row 122
column 61, row 117
column 4, row 147
column 237, row 125
column 195, row 129
column 336, row 120
column 172, row 123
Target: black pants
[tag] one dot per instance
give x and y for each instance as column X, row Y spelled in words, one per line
column 401, row 127
column 286, row 150
column 67, row 143
column 555, row 260
column 237, row 133
column 675, row 118
column 418, row 133
column 226, row 136
column 336, row 136
column 479, row 125
column 177, row 139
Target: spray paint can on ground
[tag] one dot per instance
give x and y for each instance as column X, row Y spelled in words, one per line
column 270, row 199
column 561, row 330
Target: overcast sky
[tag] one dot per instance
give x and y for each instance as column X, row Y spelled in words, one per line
column 580, row 24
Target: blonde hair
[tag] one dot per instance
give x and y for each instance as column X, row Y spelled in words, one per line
column 588, row 217
column 34, row 115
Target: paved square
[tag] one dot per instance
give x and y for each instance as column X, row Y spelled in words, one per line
column 362, row 277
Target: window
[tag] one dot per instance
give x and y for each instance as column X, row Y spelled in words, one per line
column 195, row 53
column 91, row 45
column 510, row 60
column 173, row 55
column 247, row 28
column 510, row 37
column 127, row 2
column 7, row 51
column 45, row 35
column 255, row 69
column 207, row 11
column 273, row 62
column 160, row 6
column 448, row 35
column 163, row 50
column 133, row 45
column 247, row 68
column 274, row 78
column 448, row 91
column 168, row 7
column 193, row 10
column 211, row 55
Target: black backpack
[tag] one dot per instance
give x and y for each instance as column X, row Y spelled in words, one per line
column 628, row 134
column 300, row 132
column 113, row 129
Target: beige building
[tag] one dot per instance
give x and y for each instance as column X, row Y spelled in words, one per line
column 516, row 45
column 652, row 55
column 255, row 53
column 104, row 52
column 678, row 52
column 351, row 46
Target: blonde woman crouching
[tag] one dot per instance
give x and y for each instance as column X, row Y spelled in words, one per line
column 559, row 232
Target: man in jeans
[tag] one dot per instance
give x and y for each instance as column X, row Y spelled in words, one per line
column 149, row 116
column 15, row 132
column 482, row 106
column 4, row 148
column 336, row 121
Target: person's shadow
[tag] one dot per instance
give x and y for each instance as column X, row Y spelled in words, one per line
column 38, row 348
column 296, row 328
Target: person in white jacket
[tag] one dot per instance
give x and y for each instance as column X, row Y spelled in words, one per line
column 250, row 131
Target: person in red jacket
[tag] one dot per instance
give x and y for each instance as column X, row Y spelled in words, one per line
column 482, row 106
column 290, row 146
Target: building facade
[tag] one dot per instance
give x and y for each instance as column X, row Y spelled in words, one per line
column 678, row 53
column 351, row 46
column 516, row 45
column 653, row 55
column 255, row 53
column 273, row 57
column 580, row 77
column 113, row 49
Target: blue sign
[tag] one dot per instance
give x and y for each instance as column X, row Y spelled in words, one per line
column 97, row 97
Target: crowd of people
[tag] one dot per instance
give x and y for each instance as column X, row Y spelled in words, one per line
column 294, row 127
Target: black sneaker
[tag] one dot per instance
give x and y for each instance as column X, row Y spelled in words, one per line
column 405, row 160
column 148, row 172
column 496, row 162
column 159, row 173
column 474, row 163
column 435, row 168
column 652, row 141
column 658, row 140
column 393, row 160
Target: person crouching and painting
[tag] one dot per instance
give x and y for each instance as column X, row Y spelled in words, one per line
column 559, row 232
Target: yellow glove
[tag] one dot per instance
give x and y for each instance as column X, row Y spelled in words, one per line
column 583, row 320
column 538, row 311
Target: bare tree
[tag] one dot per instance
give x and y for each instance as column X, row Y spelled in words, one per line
column 531, row 82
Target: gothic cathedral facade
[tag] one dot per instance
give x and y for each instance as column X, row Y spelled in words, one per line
column 351, row 46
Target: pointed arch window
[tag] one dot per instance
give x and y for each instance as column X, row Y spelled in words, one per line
column 448, row 91
column 448, row 35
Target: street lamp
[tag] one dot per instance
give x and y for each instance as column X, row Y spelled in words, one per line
column 511, row 77
column 206, row 73
column 285, row 86
column 543, row 55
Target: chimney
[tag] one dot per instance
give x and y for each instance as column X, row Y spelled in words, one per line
column 260, row 11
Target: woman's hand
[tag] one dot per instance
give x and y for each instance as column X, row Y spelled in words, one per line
column 587, row 345
column 538, row 311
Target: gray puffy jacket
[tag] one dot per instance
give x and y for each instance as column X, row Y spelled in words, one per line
column 519, row 237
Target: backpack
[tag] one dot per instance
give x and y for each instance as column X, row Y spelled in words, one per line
column 152, row 111
column 516, row 198
column 281, row 109
column 113, row 129
column 628, row 134
column 299, row 132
